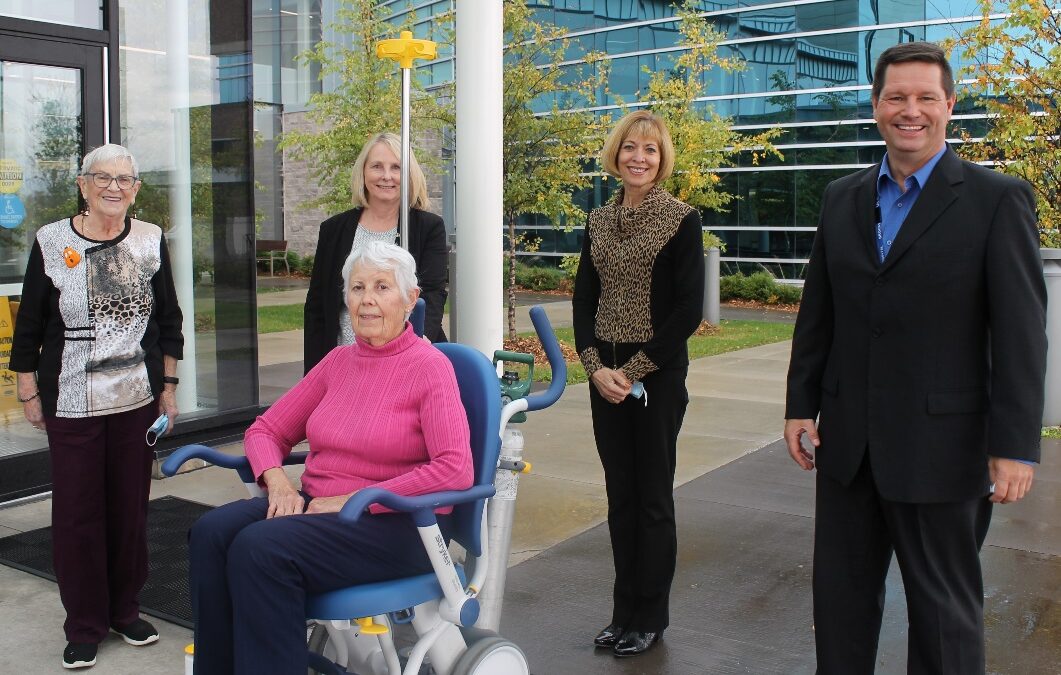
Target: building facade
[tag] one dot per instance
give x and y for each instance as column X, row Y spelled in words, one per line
column 200, row 90
column 808, row 72
column 171, row 80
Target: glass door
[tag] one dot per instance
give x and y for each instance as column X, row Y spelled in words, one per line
column 51, row 109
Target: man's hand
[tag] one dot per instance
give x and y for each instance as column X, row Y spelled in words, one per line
column 611, row 384
column 284, row 500
column 1012, row 479
column 794, row 430
column 328, row 504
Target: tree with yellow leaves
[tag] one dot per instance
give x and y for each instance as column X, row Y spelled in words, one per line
column 703, row 140
column 1015, row 63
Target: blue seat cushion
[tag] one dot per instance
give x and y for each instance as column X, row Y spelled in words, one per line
column 380, row 598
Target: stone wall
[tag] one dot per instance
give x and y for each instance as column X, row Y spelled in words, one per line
column 302, row 223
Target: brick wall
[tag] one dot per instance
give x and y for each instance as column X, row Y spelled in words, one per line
column 301, row 223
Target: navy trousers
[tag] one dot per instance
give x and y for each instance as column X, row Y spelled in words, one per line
column 250, row 577
column 101, row 479
column 637, row 445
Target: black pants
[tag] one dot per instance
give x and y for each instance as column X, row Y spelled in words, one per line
column 101, row 479
column 637, row 445
column 938, row 549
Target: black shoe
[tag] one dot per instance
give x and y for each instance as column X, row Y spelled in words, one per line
column 634, row 642
column 138, row 633
column 79, row 655
column 608, row 636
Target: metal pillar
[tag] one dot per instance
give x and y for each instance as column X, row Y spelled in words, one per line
column 479, row 213
column 711, row 286
column 1052, row 271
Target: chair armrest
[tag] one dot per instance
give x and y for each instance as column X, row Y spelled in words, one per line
column 421, row 506
column 240, row 463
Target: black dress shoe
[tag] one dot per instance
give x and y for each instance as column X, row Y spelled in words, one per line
column 634, row 642
column 608, row 636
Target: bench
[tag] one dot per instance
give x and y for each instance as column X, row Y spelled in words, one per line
column 270, row 250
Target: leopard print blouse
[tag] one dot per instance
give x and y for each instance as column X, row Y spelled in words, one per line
column 624, row 244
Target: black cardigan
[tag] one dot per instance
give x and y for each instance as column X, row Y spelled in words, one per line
column 427, row 244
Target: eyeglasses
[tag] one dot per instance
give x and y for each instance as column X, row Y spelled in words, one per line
column 104, row 180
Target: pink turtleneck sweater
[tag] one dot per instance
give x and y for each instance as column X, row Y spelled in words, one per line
column 388, row 417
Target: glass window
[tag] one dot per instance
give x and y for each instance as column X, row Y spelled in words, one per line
column 40, row 149
column 65, row 12
column 185, row 115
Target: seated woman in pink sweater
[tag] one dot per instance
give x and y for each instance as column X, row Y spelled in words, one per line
column 382, row 412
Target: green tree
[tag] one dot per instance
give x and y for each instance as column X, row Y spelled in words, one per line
column 1016, row 67
column 366, row 101
column 545, row 155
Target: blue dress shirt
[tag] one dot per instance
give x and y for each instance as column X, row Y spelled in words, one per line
column 894, row 204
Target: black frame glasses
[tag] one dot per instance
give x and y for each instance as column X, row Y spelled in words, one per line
column 104, row 180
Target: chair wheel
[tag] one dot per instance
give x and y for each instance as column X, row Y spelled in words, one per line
column 492, row 656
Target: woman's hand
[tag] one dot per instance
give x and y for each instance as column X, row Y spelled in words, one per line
column 611, row 384
column 167, row 403
column 34, row 411
column 328, row 504
column 284, row 499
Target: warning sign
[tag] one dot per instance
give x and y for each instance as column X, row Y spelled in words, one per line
column 8, row 382
column 10, row 176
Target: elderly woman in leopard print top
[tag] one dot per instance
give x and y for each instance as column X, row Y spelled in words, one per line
column 638, row 298
column 96, row 345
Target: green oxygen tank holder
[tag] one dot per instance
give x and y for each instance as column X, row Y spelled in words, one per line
column 512, row 387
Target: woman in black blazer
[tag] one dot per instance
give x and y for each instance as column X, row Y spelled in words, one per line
column 376, row 188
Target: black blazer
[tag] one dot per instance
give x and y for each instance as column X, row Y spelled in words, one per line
column 427, row 244
column 936, row 358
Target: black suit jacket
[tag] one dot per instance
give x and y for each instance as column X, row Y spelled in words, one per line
column 936, row 358
column 427, row 244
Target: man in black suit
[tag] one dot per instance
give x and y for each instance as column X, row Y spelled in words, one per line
column 920, row 348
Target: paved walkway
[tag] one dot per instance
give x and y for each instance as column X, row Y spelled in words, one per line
column 560, row 547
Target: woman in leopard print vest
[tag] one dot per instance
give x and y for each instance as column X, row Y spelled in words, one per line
column 638, row 298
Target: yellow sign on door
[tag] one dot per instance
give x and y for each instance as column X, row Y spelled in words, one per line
column 8, row 379
column 10, row 176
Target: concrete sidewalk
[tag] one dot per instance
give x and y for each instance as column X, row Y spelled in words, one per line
column 735, row 407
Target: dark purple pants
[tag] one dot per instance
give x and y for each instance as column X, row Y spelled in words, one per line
column 101, row 478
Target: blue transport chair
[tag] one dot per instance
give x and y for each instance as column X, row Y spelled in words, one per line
column 351, row 629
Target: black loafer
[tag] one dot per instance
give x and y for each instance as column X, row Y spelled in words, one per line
column 634, row 642
column 608, row 636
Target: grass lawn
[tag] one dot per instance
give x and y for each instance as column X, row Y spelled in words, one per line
column 277, row 318
column 1051, row 432
column 735, row 335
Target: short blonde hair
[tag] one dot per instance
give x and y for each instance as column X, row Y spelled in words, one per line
column 640, row 123
column 417, row 183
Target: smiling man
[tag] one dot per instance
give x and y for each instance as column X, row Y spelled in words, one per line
column 916, row 376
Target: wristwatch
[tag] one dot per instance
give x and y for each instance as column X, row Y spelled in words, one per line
column 166, row 379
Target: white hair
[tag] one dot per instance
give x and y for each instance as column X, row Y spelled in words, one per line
column 384, row 256
column 107, row 153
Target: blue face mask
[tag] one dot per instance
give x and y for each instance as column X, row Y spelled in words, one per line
column 158, row 429
column 637, row 390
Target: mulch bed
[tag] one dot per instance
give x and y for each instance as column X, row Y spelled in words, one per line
column 755, row 304
column 531, row 345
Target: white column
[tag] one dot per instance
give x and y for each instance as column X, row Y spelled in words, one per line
column 179, row 237
column 478, row 209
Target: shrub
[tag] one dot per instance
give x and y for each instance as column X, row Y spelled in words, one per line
column 569, row 264
column 539, row 278
column 760, row 287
